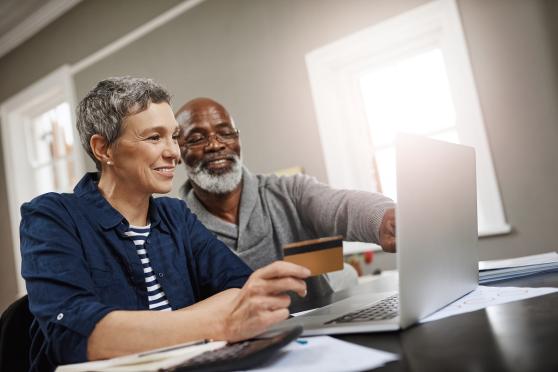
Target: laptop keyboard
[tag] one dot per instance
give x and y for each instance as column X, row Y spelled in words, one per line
column 386, row 309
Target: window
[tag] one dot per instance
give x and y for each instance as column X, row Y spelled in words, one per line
column 50, row 151
column 408, row 74
column 411, row 95
column 39, row 146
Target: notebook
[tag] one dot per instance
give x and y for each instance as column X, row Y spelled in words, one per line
column 437, row 252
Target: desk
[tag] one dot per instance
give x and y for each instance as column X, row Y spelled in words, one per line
column 519, row 336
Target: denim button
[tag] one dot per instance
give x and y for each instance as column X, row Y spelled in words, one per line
column 161, row 275
column 60, row 316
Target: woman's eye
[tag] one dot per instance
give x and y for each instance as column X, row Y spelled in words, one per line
column 175, row 137
column 154, row 137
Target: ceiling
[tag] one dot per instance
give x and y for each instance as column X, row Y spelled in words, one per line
column 14, row 12
column 21, row 19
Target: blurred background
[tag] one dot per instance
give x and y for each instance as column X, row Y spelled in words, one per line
column 319, row 85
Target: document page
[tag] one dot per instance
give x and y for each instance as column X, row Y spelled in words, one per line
column 326, row 354
column 486, row 296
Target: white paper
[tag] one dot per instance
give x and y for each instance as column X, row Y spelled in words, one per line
column 487, row 296
column 146, row 361
column 519, row 261
column 326, row 354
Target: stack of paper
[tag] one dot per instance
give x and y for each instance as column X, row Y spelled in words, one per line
column 495, row 270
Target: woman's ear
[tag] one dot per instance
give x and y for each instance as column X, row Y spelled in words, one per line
column 101, row 149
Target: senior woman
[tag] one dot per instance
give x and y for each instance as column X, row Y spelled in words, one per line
column 100, row 262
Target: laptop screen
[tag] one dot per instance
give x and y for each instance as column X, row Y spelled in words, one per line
column 437, row 253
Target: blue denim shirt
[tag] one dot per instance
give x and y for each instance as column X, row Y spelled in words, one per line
column 79, row 266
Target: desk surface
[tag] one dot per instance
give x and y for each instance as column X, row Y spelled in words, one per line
column 519, row 336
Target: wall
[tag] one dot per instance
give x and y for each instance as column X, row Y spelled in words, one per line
column 513, row 49
column 249, row 54
column 80, row 32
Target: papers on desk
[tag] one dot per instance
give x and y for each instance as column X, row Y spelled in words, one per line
column 154, row 360
column 495, row 270
column 486, row 296
column 324, row 354
column 320, row 354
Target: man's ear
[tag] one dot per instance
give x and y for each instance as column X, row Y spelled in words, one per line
column 101, row 149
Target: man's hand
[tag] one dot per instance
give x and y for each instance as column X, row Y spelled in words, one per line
column 387, row 231
column 262, row 301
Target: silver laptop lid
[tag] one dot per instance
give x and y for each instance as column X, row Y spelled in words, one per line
column 436, row 218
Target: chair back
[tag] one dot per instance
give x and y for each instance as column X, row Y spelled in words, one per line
column 14, row 336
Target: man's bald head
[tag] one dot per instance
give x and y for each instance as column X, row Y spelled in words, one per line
column 199, row 108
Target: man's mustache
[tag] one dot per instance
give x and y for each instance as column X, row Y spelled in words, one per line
column 212, row 157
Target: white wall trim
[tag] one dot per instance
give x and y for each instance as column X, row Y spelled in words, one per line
column 134, row 35
column 34, row 23
column 54, row 88
column 55, row 8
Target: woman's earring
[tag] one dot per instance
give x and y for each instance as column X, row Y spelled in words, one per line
column 109, row 162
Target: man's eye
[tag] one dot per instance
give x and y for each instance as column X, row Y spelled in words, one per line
column 195, row 139
column 227, row 134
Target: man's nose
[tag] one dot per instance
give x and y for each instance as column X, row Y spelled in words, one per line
column 213, row 142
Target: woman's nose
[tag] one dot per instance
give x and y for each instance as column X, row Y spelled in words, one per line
column 172, row 150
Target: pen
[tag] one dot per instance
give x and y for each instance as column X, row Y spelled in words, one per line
column 175, row 347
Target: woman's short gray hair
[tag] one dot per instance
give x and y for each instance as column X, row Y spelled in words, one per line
column 105, row 107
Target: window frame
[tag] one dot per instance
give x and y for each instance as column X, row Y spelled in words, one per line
column 16, row 113
column 335, row 70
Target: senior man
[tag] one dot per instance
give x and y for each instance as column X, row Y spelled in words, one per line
column 255, row 215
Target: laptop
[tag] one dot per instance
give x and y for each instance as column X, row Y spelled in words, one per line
column 437, row 252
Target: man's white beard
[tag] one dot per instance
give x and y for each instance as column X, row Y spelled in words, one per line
column 216, row 183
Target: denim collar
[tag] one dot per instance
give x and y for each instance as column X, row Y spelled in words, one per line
column 102, row 211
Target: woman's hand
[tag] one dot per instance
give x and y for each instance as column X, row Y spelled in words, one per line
column 262, row 301
column 232, row 315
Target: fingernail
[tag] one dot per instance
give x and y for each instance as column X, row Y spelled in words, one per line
column 307, row 272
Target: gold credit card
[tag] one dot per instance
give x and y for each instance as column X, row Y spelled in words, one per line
column 319, row 255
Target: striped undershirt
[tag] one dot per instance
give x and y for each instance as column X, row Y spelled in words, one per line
column 155, row 295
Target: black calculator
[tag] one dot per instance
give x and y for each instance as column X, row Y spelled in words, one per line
column 240, row 355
